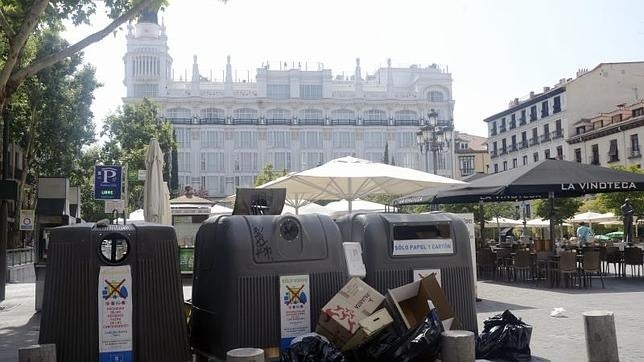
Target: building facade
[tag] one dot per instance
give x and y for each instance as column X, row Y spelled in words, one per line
column 611, row 138
column 293, row 118
column 538, row 126
column 471, row 156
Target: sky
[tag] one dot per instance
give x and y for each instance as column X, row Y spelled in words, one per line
column 496, row 50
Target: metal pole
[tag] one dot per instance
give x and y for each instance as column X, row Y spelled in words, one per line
column 426, row 158
column 434, row 160
column 4, row 207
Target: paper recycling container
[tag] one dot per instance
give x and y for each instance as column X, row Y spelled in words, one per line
column 400, row 248
column 113, row 293
column 240, row 281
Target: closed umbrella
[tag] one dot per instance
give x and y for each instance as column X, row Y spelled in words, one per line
column 156, row 197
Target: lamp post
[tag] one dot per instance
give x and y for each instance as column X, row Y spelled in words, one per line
column 432, row 138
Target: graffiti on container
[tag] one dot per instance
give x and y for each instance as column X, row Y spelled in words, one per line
column 262, row 245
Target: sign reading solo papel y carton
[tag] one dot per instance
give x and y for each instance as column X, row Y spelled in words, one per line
column 115, row 314
column 295, row 307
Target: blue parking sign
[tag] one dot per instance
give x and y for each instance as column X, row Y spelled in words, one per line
column 107, row 182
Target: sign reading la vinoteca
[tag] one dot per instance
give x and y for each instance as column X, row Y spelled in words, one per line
column 589, row 186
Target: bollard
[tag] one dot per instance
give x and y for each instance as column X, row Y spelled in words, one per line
column 457, row 346
column 245, row 355
column 37, row 353
column 601, row 341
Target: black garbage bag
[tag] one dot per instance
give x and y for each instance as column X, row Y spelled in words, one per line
column 311, row 348
column 421, row 343
column 504, row 336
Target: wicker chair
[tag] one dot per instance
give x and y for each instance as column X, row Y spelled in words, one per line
column 613, row 256
column 568, row 268
column 591, row 264
column 522, row 264
column 486, row 262
column 634, row 258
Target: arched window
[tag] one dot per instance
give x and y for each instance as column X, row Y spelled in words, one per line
column 278, row 114
column 213, row 113
column 245, row 114
column 375, row 115
column 436, row 96
column 406, row 118
column 343, row 115
column 177, row 113
column 311, row 117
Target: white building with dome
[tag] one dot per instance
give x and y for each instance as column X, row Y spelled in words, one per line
column 293, row 118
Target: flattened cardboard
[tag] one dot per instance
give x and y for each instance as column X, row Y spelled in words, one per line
column 410, row 302
column 369, row 327
column 340, row 316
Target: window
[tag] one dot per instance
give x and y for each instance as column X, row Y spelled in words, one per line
column 310, row 139
column 406, row 118
column 533, row 113
column 556, row 106
column 245, row 181
column 493, row 129
column 343, row 115
column 374, row 156
column 525, row 160
column 466, row 164
column 344, row 139
column 546, row 154
column 145, row 90
column 278, row 139
column 407, row 159
column 595, row 153
column 436, row 96
column 245, row 114
column 523, row 118
column 245, row 139
column 535, row 157
column 613, row 153
column 496, row 168
column 502, row 126
column 494, row 147
column 535, row 136
column 546, row 132
column 212, row 139
column 312, row 159
column 635, row 146
column 638, row 112
column 215, row 185
column 278, row 91
column 183, row 137
column 524, row 139
column 212, row 162
column 311, row 91
column 505, row 165
column 178, row 114
column 310, row 115
column 246, row 162
column 183, row 160
column 513, row 145
column 375, row 140
column 616, row 118
column 406, row 139
column 280, row 160
column 278, row 114
column 213, row 114
column 504, row 146
column 376, row 117
column 544, row 109
column 560, row 155
column 515, row 163
column 513, row 122
column 578, row 155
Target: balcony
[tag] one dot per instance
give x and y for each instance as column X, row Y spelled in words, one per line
column 534, row 141
column 545, row 137
column 343, row 122
column 557, row 134
column 513, row 124
column 523, row 144
column 278, row 122
column 522, row 121
column 503, row 151
column 502, row 129
column 375, row 122
column 544, row 114
column 533, row 117
column 556, row 109
column 246, row 121
column 493, row 132
column 310, row 122
column 213, row 121
column 634, row 152
column 494, row 154
column 513, row 148
column 613, row 157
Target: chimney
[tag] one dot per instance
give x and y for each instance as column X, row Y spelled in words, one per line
column 531, row 94
column 545, row 89
column 581, row 72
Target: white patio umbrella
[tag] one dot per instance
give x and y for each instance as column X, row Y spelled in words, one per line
column 591, row 217
column 310, row 208
column 351, row 178
column 502, row 222
column 541, row 223
column 220, row 210
column 340, row 208
column 156, row 197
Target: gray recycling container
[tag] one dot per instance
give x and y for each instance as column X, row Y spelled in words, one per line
column 87, row 277
column 236, row 282
column 394, row 246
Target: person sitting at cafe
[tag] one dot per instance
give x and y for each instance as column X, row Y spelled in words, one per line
column 585, row 235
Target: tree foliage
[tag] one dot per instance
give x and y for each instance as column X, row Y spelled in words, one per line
column 614, row 200
column 564, row 208
column 130, row 130
column 268, row 174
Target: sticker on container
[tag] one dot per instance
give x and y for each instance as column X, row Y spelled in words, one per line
column 295, row 307
column 422, row 273
column 423, row 247
column 115, row 314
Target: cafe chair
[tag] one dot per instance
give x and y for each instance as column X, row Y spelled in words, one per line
column 613, row 256
column 522, row 264
column 504, row 263
column 568, row 268
column 591, row 264
column 486, row 262
column 633, row 257
column 541, row 266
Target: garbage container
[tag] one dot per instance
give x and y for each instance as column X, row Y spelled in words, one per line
column 113, row 293
column 400, row 248
column 260, row 280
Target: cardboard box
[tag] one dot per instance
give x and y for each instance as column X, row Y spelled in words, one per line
column 409, row 302
column 369, row 327
column 340, row 317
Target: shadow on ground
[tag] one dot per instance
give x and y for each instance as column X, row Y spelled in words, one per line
column 611, row 285
column 11, row 338
column 488, row 306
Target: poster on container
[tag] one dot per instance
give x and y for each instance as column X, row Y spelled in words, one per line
column 115, row 314
column 295, row 307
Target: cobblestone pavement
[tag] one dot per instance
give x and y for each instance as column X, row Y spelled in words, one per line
column 553, row 339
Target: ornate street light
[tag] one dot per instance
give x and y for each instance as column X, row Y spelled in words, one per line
column 432, row 138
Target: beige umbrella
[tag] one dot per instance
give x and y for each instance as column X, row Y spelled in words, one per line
column 156, row 197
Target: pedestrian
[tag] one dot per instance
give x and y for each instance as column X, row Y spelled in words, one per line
column 584, row 234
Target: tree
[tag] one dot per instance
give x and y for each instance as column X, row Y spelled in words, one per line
column 129, row 130
column 268, row 174
column 22, row 20
column 614, row 200
column 564, row 208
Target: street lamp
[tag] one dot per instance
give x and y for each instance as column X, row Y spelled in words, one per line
column 432, row 137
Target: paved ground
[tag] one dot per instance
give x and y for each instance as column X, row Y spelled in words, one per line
column 553, row 339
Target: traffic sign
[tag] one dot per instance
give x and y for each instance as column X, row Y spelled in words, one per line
column 107, row 182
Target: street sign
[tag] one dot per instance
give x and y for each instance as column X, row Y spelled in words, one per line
column 27, row 219
column 107, row 182
column 111, row 205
